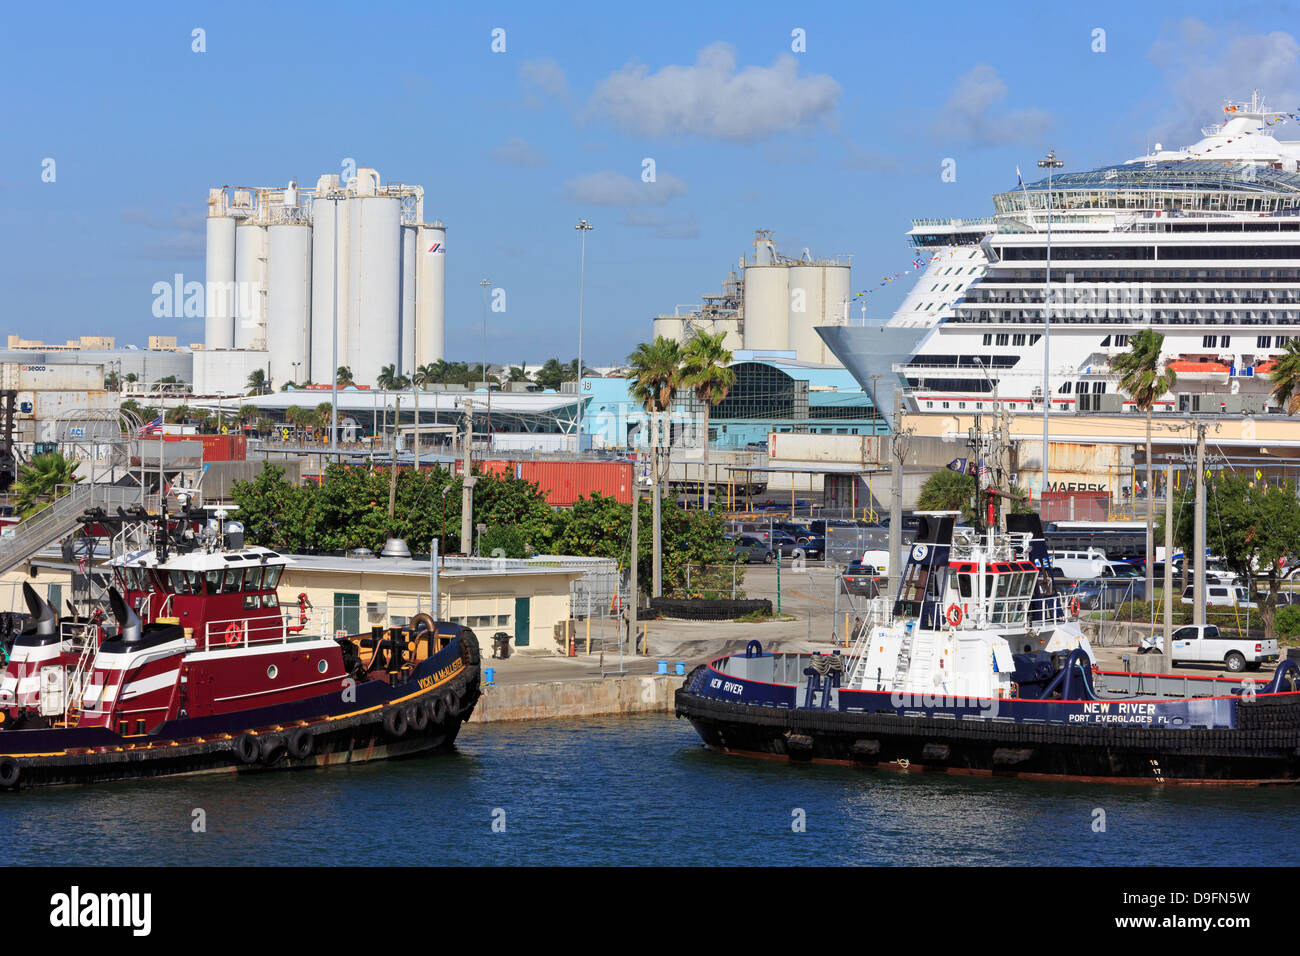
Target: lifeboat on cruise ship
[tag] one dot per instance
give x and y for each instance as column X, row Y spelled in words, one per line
column 1201, row 369
column 194, row 667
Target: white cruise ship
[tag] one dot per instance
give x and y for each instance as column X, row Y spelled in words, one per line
column 1201, row 244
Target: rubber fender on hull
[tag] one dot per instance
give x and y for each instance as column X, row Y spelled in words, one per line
column 438, row 710
column 247, row 748
column 301, row 743
column 469, row 650
column 10, row 773
column 935, row 751
column 798, row 743
column 865, row 748
column 418, row 717
column 395, row 722
column 1010, row 756
column 274, row 746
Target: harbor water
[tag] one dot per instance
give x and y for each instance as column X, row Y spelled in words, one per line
column 631, row 791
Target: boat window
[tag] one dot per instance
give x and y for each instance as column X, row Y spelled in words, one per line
column 964, row 580
column 213, row 578
column 272, row 578
column 270, row 600
column 177, row 582
column 253, row 578
column 131, row 577
column 251, row 602
column 233, row 577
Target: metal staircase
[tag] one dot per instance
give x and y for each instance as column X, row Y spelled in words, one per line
column 61, row 517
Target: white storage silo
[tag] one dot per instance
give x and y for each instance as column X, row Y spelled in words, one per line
column 431, row 292
column 374, row 281
column 288, row 302
column 328, row 213
column 250, row 285
column 410, row 238
column 818, row 292
column 730, row 329
column 767, row 306
column 219, row 307
column 671, row 327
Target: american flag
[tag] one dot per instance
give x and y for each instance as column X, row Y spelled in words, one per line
column 153, row 428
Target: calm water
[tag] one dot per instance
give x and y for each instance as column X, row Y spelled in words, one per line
column 628, row 791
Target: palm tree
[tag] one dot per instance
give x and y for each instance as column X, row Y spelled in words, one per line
column 1144, row 378
column 344, row 376
column 705, row 372
column 47, row 477
column 177, row 415
column 1286, row 376
column 293, row 417
column 247, row 414
column 387, row 378
column 655, row 373
column 257, row 382
column 517, row 374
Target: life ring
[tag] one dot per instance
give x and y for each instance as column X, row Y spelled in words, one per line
column 234, row 633
column 1074, row 606
column 301, row 743
column 954, row 614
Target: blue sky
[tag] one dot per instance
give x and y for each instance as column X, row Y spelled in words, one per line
column 835, row 148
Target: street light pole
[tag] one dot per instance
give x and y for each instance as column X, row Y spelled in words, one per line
column 1049, row 162
column 334, row 353
column 484, row 283
column 583, row 228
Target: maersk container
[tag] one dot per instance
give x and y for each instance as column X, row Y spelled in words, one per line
column 216, row 447
column 564, row 482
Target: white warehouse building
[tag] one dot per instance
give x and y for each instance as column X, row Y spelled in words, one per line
column 281, row 260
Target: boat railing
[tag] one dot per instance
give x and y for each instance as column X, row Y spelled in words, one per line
column 243, row 632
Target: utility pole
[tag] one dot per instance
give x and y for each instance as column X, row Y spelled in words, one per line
column 898, row 443
column 467, row 485
column 657, row 585
column 976, row 440
column 1198, row 544
column 632, row 566
column 1169, row 558
column 1049, row 162
column 415, row 390
column 392, row 475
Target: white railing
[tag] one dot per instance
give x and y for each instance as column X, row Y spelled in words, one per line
column 242, row 632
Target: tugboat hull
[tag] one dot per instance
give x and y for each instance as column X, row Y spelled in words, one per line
column 372, row 720
column 1262, row 749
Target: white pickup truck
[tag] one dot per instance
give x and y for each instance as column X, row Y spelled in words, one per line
column 1205, row 645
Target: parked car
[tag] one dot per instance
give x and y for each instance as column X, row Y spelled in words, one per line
column 795, row 530
column 1220, row 595
column 863, row 579
column 754, row 550
column 1094, row 593
column 814, row 547
column 1206, row 645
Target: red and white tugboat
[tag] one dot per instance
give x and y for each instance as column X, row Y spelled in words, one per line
column 196, row 668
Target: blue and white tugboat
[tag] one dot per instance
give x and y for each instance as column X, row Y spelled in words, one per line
column 979, row 667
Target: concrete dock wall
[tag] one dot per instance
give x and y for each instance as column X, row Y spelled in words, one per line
column 649, row 694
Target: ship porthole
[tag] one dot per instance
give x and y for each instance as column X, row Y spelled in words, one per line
column 322, row 666
column 272, row 671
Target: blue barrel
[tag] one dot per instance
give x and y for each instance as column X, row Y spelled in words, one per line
column 663, row 668
column 681, row 668
column 489, row 675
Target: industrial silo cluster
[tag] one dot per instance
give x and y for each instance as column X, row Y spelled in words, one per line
column 774, row 306
column 284, row 264
column 786, row 299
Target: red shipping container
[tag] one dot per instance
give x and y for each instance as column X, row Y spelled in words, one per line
column 564, row 482
column 1075, row 506
column 217, row 447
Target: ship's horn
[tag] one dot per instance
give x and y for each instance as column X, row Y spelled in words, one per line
column 46, row 618
column 127, row 620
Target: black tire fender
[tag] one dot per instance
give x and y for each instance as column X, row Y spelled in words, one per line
column 418, row 717
column 301, row 743
column 438, row 710
column 247, row 748
column 10, row 773
column 274, row 747
column 395, row 723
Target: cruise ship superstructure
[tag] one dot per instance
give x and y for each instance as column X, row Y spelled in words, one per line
column 1201, row 244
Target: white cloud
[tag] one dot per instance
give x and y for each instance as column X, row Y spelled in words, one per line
column 661, row 226
column 713, row 99
column 1203, row 67
column 543, row 79
column 517, row 151
column 608, row 188
column 970, row 114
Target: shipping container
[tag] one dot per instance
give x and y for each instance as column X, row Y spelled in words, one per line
column 217, row 447
column 564, row 482
column 40, row 377
column 1075, row 506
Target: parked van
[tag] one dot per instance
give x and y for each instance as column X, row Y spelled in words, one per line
column 1220, row 595
column 1081, row 565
